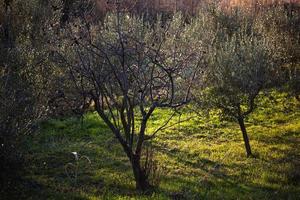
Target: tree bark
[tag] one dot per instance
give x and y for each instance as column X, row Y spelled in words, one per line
column 141, row 179
column 140, row 175
column 245, row 136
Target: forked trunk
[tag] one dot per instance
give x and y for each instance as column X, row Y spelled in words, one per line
column 140, row 176
column 245, row 136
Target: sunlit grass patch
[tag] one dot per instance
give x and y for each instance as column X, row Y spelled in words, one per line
column 200, row 158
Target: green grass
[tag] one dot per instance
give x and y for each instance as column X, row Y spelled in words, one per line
column 203, row 158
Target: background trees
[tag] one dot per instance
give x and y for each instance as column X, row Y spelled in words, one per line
column 283, row 34
column 22, row 83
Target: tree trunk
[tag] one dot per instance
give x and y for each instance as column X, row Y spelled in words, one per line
column 245, row 136
column 140, row 176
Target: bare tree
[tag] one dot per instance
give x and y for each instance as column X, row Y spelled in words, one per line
column 130, row 68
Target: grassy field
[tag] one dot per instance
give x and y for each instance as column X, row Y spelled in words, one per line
column 203, row 158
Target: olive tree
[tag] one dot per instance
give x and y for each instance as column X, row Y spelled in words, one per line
column 240, row 66
column 130, row 68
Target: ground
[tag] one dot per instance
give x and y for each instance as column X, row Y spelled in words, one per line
column 203, row 158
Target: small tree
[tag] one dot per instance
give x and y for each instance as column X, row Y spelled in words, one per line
column 130, row 68
column 239, row 68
